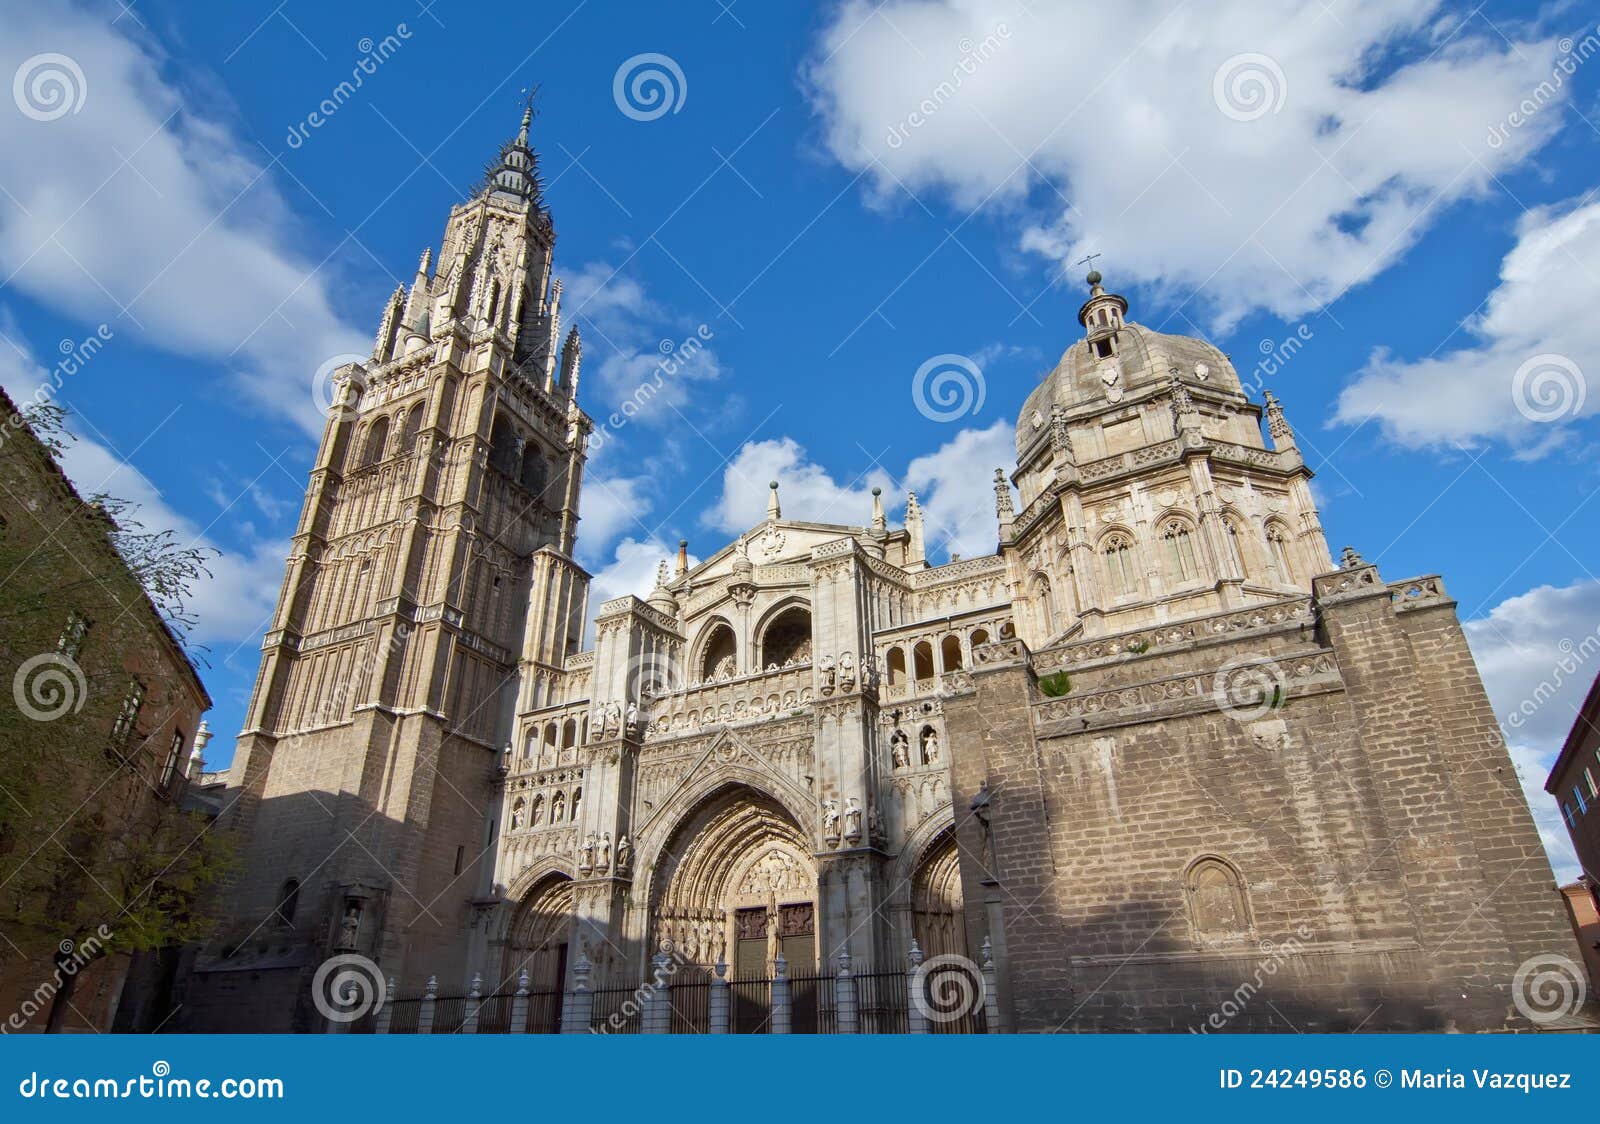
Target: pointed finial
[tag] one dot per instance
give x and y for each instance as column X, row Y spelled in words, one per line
column 426, row 263
column 1350, row 559
column 661, row 574
column 774, row 511
column 880, row 522
column 683, row 557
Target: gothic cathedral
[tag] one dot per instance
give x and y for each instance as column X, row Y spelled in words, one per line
column 1155, row 745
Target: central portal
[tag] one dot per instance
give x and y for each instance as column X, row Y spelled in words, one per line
column 736, row 883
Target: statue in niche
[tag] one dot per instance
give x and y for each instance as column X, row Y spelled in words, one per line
column 847, row 670
column 558, row 808
column 586, row 853
column 350, row 926
column 852, row 820
column 830, row 820
column 875, row 832
column 624, row 855
column 825, row 667
column 633, row 717
column 930, row 747
column 516, row 815
column 900, row 749
column 604, row 863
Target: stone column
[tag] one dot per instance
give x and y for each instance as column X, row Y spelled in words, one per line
column 580, row 1002
column 386, row 1012
column 425, row 1008
column 991, row 990
column 847, row 1012
column 657, row 1017
column 519, row 1005
column 917, row 1021
column 474, row 1004
column 780, row 996
column 719, row 998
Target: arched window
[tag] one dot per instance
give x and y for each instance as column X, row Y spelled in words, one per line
column 288, row 901
column 922, row 661
column 1044, row 600
column 980, row 637
column 569, row 733
column 505, row 447
column 787, row 637
column 535, row 474
column 1230, row 541
column 412, row 427
column 1117, row 550
column 897, row 666
column 1218, row 906
column 1179, row 547
column 1278, row 544
column 377, row 442
column 721, row 658
column 950, row 653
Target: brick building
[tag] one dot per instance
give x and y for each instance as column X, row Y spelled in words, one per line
column 102, row 727
column 1173, row 764
column 1574, row 782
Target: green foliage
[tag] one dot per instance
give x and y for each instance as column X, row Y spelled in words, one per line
column 1139, row 647
column 1056, row 685
column 92, row 835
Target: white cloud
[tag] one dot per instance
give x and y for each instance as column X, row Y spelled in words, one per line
column 807, row 491
column 238, row 598
column 1543, row 306
column 138, row 202
column 1382, row 118
column 1538, row 653
column 631, row 569
column 954, row 485
column 610, row 507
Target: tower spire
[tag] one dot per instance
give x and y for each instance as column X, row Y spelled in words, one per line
column 516, row 170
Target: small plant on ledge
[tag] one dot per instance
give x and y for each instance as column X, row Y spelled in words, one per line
column 1139, row 647
column 1054, row 686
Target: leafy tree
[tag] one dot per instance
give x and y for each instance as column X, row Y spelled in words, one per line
column 97, row 855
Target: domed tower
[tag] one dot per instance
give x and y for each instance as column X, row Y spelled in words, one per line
column 1148, row 491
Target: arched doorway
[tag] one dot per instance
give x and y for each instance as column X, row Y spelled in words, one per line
column 537, row 943
column 736, row 882
column 937, row 918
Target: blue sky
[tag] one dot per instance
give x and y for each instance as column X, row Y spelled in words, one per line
column 838, row 194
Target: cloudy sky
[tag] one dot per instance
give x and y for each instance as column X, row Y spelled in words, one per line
column 831, row 197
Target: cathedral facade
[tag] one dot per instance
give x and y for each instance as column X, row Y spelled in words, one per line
column 1155, row 746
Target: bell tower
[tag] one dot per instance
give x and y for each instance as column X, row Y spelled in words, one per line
column 430, row 573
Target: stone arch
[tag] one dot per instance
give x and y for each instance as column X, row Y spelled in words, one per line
column 717, row 650
column 505, row 447
column 1178, row 536
column 922, row 661
column 1281, row 550
column 1218, row 903
column 734, row 879
column 950, row 653
column 896, row 665
column 1118, row 551
column 1232, row 542
column 377, row 441
column 784, row 635
column 938, row 915
column 1044, row 599
column 539, row 931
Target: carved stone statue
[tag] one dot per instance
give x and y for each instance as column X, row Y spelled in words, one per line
column 830, row 820
column 633, row 716
column 852, row 820
column 604, row 863
column 930, row 748
column 586, row 853
column 825, row 669
column 875, row 831
column 624, row 855
column 900, row 749
column 350, row 926
column 847, row 670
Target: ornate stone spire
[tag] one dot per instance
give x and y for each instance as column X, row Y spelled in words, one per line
column 1277, row 424
column 1102, row 314
column 683, row 557
column 661, row 597
column 916, row 549
column 516, row 170
column 1002, row 497
column 880, row 522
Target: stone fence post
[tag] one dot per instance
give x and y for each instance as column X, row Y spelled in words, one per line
column 781, row 1017
column 916, row 1018
column 719, row 998
column 386, row 1012
column 846, row 1010
column 658, row 997
column 580, row 1003
column 425, row 1008
column 469, row 1025
column 991, row 990
column 519, row 1005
